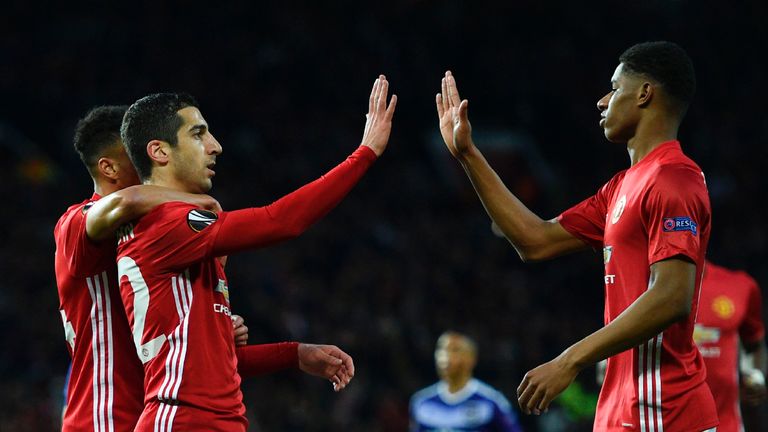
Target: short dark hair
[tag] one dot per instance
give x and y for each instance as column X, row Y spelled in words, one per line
column 153, row 117
column 98, row 130
column 666, row 63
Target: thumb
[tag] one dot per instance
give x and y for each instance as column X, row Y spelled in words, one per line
column 463, row 110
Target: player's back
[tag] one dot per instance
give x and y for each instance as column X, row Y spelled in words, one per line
column 177, row 302
column 104, row 392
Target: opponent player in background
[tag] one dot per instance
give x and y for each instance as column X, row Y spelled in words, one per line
column 104, row 389
column 652, row 222
column 174, row 288
column 459, row 401
column 730, row 311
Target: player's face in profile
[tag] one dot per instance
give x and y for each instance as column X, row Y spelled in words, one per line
column 618, row 109
column 195, row 154
column 453, row 357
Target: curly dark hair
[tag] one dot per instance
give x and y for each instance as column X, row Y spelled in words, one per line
column 666, row 63
column 98, row 130
column 153, row 117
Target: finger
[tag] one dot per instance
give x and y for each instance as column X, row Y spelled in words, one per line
column 444, row 93
column 391, row 108
column 237, row 321
column 543, row 405
column 453, row 91
column 371, row 99
column 533, row 402
column 381, row 102
column 242, row 330
column 439, row 103
column 523, row 385
column 348, row 364
column 464, row 111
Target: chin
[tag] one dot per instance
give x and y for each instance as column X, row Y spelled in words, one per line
column 611, row 137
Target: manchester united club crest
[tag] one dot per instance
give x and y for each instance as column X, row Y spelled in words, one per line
column 723, row 307
column 618, row 209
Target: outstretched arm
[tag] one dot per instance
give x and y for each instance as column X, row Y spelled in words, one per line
column 533, row 238
column 753, row 372
column 324, row 361
column 123, row 206
column 291, row 215
column 667, row 300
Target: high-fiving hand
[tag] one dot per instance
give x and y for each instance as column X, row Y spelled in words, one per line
column 378, row 121
column 454, row 121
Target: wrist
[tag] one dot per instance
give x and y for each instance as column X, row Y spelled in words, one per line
column 572, row 358
column 469, row 155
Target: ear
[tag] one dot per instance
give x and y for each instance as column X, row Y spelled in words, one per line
column 645, row 94
column 108, row 168
column 158, row 151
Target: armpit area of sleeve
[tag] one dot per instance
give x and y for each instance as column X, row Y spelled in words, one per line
column 672, row 250
column 574, row 224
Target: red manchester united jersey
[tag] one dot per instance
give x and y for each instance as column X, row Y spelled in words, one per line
column 177, row 300
column 105, row 392
column 729, row 309
column 657, row 209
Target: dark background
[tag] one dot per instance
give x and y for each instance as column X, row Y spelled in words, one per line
column 409, row 253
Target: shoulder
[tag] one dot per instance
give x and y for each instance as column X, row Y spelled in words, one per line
column 424, row 394
column 493, row 395
column 73, row 213
column 678, row 181
column 170, row 214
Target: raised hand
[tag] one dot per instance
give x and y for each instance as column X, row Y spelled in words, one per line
column 453, row 117
column 240, row 330
column 327, row 361
column 378, row 121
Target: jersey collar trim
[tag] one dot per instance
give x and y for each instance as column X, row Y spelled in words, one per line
column 460, row 396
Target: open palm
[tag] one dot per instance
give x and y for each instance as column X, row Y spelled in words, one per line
column 454, row 121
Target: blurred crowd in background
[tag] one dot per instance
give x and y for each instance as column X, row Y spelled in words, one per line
column 410, row 253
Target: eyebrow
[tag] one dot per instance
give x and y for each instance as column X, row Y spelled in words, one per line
column 198, row 128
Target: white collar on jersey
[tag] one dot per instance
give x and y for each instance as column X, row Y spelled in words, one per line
column 460, row 396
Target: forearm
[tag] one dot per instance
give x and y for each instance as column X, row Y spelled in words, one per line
column 648, row 316
column 291, row 215
column 526, row 231
column 255, row 360
column 123, row 206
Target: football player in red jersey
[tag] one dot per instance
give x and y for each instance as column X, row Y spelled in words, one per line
column 174, row 289
column 730, row 313
column 652, row 222
column 104, row 390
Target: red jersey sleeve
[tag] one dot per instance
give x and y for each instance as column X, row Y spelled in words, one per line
column 81, row 255
column 178, row 234
column 752, row 329
column 292, row 214
column 586, row 220
column 255, row 360
column 675, row 211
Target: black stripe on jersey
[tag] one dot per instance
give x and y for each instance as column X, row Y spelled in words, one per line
column 199, row 219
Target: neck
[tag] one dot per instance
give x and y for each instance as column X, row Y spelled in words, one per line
column 162, row 178
column 104, row 188
column 658, row 128
column 457, row 383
